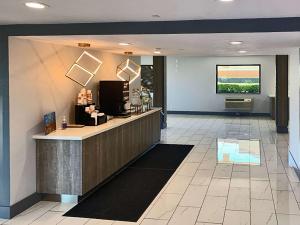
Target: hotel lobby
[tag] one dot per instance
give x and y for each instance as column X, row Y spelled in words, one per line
column 138, row 113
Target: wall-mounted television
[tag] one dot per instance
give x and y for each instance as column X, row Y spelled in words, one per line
column 238, row 79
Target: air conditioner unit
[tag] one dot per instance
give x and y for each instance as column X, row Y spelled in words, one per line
column 244, row 104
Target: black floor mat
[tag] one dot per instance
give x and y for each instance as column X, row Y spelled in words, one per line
column 128, row 195
column 163, row 156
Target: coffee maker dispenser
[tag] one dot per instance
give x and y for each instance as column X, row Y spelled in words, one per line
column 113, row 98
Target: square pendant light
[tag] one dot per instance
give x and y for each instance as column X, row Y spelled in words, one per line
column 84, row 69
column 128, row 71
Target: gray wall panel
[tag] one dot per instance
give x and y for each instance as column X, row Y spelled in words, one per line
column 4, row 126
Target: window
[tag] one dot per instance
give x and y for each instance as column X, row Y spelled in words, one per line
column 238, row 79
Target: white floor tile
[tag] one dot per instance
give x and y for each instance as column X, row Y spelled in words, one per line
column 261, row 190
column 73, row 221
column 275, row 167
column 223, row 171
column 184, row 215
column 218, row 187
column 63, row 207
column 236, row 218
column 243, row 175
column 124, row 223
column 238, row 199
column 202, row 177
column 241, row 168
column 210, row 155
column 201, row 148
column 259, row 205
column 32, row 213
column 188, row 169
column 164, row 207
column 258, row 173
column 208, row 165
column 195, row 157
column 292, row 175
column 178, row 185
column 263, row 218
column 49, row 218
column 199, row 223
column 212, row 210
column 280, row 182
column 239, row 183
column 288, row 219
column 285, row 202
column 194, row 196
column 154, row 222
column 296, row 190
column 99, row 222
column 2, row 221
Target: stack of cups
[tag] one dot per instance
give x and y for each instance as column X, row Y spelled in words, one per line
column 82, row 97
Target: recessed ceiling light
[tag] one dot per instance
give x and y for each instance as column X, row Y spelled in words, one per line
column 156, row 52
column 243, row 51
column 84, row 45
column 124, row 44
column 36, row 5
column 156, row 16
column 128, row 53
column 225, row 0
column 236, row 42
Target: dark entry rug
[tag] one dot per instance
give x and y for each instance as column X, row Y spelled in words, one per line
column 128, row 195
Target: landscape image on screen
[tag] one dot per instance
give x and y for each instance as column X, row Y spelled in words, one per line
column 239, row 79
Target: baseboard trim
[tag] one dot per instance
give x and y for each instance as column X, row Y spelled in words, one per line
column 297, row 171
column 295, row 167
column 9, row 212
column 4, row 212
column 219, row 113
column 282, row 130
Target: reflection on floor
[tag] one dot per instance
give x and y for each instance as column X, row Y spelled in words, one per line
column 234, row 151
column 205, row 191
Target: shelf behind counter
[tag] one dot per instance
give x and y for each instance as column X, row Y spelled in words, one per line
column 75, row 160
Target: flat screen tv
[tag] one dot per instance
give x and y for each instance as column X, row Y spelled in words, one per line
column 238, row 79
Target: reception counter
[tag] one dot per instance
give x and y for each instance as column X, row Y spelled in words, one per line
column 75, row 160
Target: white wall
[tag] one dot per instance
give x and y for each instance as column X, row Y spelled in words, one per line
column 294, row 123
column 37, row 86
column 191, row 83
column 147, row 60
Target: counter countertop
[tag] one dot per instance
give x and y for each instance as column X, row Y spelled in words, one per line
column 89, row 131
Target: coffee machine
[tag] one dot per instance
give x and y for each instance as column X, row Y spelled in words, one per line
column 113, row 98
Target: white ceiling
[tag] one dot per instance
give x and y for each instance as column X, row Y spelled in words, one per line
column 70, row 11
column 186, row 44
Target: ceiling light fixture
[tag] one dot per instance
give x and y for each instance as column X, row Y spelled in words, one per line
column 36, row 5
column 243, row 51
column 84, row 69
column 124, row 44
column 157, row 51
column 128, row 70
column 84, row 45
column 226, row 0
column 236, row 42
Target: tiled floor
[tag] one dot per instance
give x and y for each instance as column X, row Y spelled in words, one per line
column 204, row 191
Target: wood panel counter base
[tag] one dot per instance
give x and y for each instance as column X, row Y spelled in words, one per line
column 74, row 167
